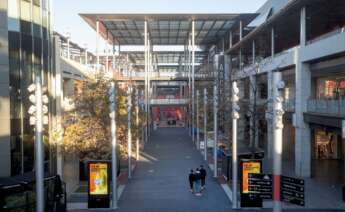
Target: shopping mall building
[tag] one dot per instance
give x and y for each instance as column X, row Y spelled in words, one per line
column 303, row 39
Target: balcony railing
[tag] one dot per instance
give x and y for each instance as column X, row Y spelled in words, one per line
column 169, row 101
column 332, row 107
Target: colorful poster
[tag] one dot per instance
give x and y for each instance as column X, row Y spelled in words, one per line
column 249, row 167
column 98, row 179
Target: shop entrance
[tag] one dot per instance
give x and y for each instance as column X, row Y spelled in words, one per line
column 328, row 163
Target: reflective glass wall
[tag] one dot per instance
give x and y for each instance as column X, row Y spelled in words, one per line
column 29, row 54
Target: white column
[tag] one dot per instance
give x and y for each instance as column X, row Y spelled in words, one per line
column 146, row 77
column 189, row 86
column 129, row 132
column 241, row 30
column 97, row 44
column 39, row 150
column 215, row 130
column 113, row 143
column 303, row 26
column 230, row 39
column 137, row 123
column 272, row 42
column 278, row 126
column 253, row 52
column 302, row 130
column 193, row 78
column 197, row 120
column 235, row 117
column 205, row 124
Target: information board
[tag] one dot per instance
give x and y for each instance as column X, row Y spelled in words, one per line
column 292, row 190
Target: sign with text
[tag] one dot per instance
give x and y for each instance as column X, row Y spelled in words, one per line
column 292, row 190
column 261, row 184
column 250, row 199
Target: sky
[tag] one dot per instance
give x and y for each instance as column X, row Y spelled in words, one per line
column 66, row 18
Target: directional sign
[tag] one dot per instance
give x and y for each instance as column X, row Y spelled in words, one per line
column 292, row 190
column 261, row 185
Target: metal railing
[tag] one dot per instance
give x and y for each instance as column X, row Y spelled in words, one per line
column 324, row 106
column 169, row 101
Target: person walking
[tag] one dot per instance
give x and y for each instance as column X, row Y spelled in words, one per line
column 197, row 182
column 191, row 179
column 203, row 174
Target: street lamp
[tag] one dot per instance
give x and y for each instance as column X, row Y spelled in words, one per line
column 235, row 117
column 197, row 120
column 278, row 112
column 129, row 135
column 215, row 130
column 137, row 122
column 38, row 116
column 112, row 98
column 205, row 124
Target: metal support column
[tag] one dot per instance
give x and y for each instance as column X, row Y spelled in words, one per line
column 113, row 143
column 193, row 79
column 278, row 112
column 235, row 117
column 129, row 131
column 215, row 130
column 146, row 77
column 137, row 123
column 197, row 121
column 205, row 124
column 189, row 88
column 39, row 151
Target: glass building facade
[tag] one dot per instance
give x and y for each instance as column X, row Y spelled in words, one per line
column 30, row 53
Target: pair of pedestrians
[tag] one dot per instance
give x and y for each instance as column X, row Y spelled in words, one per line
column 197, row 180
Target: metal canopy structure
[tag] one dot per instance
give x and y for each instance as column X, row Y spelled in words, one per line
column 165, row 30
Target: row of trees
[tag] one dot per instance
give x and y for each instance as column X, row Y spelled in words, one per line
column 87, row 130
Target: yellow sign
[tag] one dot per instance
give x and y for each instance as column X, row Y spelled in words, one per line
column 98, row 182
column 249, row 167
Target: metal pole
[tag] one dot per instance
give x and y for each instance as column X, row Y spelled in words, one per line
column 113, row 143
column 129, row 132
column 146, row 98
column 193, row 78
column 215, row 130
column 277, row 138
column 205, row 124
column 97, row 44
column 197, row 121
column 137, row 122
column 235, row 116
column 189, row 88
column 39, row 151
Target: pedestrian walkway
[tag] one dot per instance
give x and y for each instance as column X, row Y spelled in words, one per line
column 160, row 180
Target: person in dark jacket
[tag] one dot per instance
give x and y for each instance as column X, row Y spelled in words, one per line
column 191, row 179
column 202, row 177
column 197, row 182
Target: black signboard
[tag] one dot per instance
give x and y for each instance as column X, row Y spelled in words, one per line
column 261, row 185
column 292, row 190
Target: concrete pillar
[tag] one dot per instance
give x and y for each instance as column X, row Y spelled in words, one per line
column 5, row 129
column 302, row 129
column 303, row 27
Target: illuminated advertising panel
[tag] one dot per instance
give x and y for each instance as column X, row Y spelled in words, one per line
column 98, row 182
column 249, row 167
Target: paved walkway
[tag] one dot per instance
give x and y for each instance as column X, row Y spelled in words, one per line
column 160, row 180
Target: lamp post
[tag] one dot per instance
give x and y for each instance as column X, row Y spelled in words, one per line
column 112, row 98
column 235, row 117
column 197, row 120
column 278, row 112
column 137, row 123
column 205, row 124
column 215, row 130
column 38, row 118
column 129, row 133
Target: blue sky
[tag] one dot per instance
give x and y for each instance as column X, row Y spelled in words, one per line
column 66, row 12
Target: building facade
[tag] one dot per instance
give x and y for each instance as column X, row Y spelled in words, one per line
column 305, row 40
column 25, row 44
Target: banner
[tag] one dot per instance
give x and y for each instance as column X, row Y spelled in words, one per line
column 249, row 167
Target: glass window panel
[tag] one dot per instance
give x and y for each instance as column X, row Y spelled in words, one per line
column 13, row 15
column 25, row 11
